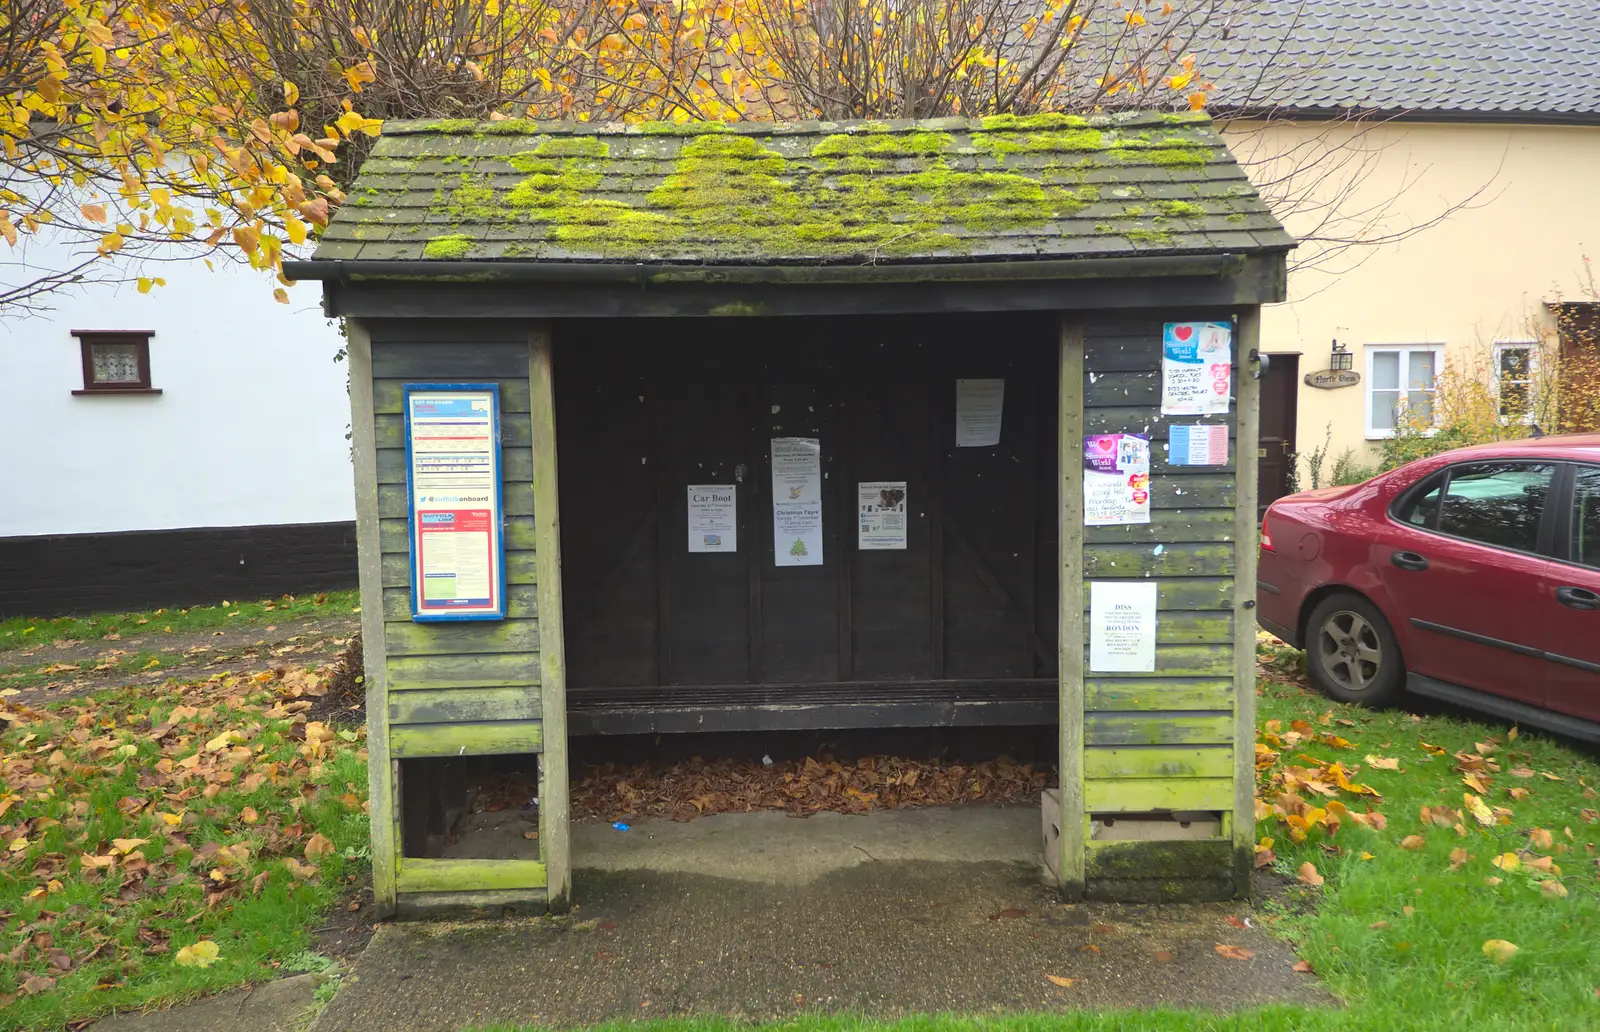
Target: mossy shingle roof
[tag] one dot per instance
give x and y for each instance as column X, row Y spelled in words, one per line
column 1044, row 186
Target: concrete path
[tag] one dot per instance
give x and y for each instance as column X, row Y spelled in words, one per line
column 280, row 1006
column 763, row 917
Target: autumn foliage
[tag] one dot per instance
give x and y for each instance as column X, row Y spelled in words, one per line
column 178, row 127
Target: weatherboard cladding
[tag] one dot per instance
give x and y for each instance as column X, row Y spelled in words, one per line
column 1011, row 188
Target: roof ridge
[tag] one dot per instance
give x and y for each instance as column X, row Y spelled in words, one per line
column 986, row 123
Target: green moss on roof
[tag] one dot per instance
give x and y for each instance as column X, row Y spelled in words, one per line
column 448, row 248
column 1022, row 186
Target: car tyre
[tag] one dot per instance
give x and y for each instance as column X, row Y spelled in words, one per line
column 1351, row 652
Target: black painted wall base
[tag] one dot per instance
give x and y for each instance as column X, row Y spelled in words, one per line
column 56, row 575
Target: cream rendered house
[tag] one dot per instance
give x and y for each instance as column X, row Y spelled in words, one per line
column 1475, row 165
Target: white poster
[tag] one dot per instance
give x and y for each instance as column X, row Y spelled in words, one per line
column 1116, row 479
column 1122, row 626
column 713, row 518
column 881, row 515
column 979, row 405
column 797, row 501
column 1196, row 373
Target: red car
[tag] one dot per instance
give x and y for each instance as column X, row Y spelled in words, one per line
column 1472, row 576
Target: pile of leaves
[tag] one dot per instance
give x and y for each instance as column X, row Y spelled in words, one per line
column 161, row 841
column 1282, row 786
column 683, row 791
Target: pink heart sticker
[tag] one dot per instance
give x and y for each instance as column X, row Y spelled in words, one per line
column 1183, row 332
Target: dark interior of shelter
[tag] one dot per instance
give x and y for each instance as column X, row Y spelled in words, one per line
column 956, row 629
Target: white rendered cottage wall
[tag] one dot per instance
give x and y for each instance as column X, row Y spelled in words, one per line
column 249, row 427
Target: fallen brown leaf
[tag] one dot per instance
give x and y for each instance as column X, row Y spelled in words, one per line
column 1065, row 983
column 1412, row 842
column 1301, row 966
column 1309, row 875
column 1234, row 952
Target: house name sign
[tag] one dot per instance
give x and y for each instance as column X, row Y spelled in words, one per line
column 1333, row 379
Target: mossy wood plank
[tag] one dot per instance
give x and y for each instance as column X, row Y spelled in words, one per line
column 472, row 906
column 456, row 361
column 450, row 638
column 1190, row 593
column 485, row 738
column 464, row 705
column 380, row 771
column 516, row 465
column 1174, row 859
column 1071, row 599
column 1201, row 491
column 515, row 500
column 1158, row 762
column 395, row 534
column 1157, row 729
column 1193, row 559
column 520, row 567
column 438, row 875
column 1140, row 419
column 463, row 671
column 1112, row 694
column 1141, row 796
column 1244, row 675
column 387, row 395
column 554, row 793
column 1185, row 661
column 521, row 602
column 1168, row 526
column 515, row 431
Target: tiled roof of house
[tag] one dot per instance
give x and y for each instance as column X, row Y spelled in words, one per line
column 1458, row 58
column 1045, row 186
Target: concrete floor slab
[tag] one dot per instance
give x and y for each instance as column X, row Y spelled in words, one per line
column 763, row 917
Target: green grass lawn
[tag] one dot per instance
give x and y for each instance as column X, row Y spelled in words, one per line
column 161, row 842
column 26, row 633
column 1397, row 929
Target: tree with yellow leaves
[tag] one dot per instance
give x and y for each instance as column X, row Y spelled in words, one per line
column 170, row 129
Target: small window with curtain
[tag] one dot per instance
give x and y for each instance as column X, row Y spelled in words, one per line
column 1513, row 381
column 1400, row 385
column 115, row 361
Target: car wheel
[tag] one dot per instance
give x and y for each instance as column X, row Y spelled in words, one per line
column 1351, row 652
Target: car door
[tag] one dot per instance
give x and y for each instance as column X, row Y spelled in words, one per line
column 1571, row 604
column 1463, row 566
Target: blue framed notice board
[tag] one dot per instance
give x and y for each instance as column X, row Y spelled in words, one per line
column 453, row 492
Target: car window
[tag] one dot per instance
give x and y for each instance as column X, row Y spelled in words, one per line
column 1586, row 517
column 1421, row 506
column 1496, row 503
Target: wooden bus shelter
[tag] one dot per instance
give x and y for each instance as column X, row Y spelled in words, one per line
column 790, row 433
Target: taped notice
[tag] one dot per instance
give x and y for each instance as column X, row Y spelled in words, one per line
column 881, row 515
column 796, row 501
column 713, row 518
column 980, row 405
column 1122, row 626
column 1196, row 368
column 1203, row 445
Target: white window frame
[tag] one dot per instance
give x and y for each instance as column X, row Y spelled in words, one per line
column 1501, row 346
column 1437, row 348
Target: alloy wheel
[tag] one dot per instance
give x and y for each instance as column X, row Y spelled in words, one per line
column 1349, row 650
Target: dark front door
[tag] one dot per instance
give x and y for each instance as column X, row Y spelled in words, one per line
column 1280, row 393
column 645, row 411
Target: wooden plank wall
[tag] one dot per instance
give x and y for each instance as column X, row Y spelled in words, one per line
column 1163, row 740
column 470, row 688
